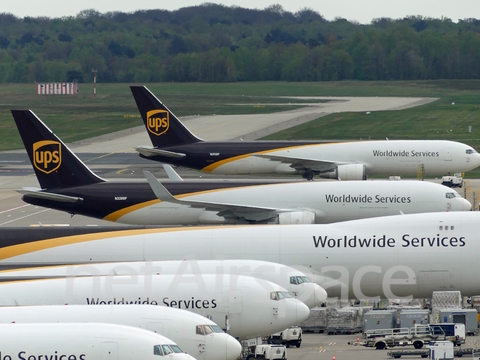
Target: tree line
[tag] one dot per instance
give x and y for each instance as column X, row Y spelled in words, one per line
column 215, row 43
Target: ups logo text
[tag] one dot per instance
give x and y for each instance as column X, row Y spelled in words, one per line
column 47, row 155
column 158, row 121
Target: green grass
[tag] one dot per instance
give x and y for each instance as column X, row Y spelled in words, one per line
column 80, row 116
column 439, row 120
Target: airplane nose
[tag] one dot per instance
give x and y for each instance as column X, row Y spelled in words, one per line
column 233, row 348
column 466, row 206
column 320, row 295
column 303, row 312
column 221, row 346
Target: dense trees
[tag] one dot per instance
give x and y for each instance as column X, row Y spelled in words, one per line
column 217, row 43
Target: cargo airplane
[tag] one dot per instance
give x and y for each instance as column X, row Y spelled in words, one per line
column 68, row 185
column 244, row 306
column 293, row 280
column 195, row 334
column 174, row 144
column 85, row 341
column 391, row 256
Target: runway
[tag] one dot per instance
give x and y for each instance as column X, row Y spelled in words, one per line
column 112, row 156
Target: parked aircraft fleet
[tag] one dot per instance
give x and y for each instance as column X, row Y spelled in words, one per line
column 67, row 184
column 250, row 279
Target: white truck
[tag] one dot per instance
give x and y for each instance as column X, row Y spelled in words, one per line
column 268, row 351
column 455, row 180
column 288, row 337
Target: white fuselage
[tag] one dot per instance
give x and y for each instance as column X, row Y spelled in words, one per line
column 240, row 304
column 330, row 201
column 385, row 157
column 421, row 252
column 81, row 341
column 180, row 326
column 289, row 278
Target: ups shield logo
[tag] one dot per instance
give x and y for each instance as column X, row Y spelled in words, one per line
column 158, row 121
column 47, row 155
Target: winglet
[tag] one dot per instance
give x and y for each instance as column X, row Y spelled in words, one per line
column 172, row 174
column 158, row 189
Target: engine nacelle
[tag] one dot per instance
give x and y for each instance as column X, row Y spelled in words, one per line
column 347, row 172
column 296, row 217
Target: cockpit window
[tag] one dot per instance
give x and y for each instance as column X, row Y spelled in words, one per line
column 452, row 195
column 216, row 328
column 296, row 280
column 200, row 330
column 207, row 329
column 470, row 151
column 166, row 349
column 157, row 350
column 162, row 350
column 176, row 349
column 279, row 295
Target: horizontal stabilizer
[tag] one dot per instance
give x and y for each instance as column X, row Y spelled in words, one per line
column 38, row 193
column 149, row 152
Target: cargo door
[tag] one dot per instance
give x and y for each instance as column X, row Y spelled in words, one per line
column 109, row 350
column 433, row 280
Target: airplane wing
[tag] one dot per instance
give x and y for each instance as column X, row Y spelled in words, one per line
column 150, row 151
column 38, row 193
column 303, row 163
column 251, row 213
column 172, row 174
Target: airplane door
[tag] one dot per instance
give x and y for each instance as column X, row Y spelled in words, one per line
column 447, row 154
column 109, row 350
column 235, row 301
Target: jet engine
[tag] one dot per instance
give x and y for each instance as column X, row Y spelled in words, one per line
column 296, row 217
column 346, row 172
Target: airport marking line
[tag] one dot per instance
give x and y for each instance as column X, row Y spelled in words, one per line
column 15, row 208
column 23, row 217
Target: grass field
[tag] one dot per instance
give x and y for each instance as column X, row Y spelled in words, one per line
column 80, row 116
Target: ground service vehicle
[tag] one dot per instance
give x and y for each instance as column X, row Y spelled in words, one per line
column 455, row 180
column 269, row 352
column 288, row 337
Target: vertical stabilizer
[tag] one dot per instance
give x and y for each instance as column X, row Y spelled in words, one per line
column 162, row 125
column 55, row 165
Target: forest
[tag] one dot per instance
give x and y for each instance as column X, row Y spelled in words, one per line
column 215, row 43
